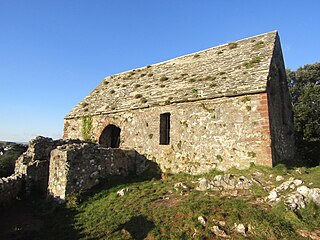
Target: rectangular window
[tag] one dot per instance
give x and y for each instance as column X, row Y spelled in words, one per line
column 165, row 129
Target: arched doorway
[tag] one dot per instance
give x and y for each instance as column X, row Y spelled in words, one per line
column 110, row 136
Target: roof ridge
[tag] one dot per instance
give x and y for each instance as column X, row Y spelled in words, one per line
column 190, row 54
column 221, row 70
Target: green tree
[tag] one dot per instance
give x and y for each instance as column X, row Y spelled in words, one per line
column 304, row 87
column 7, row 161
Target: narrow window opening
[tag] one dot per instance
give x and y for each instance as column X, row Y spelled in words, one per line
column 165, row 129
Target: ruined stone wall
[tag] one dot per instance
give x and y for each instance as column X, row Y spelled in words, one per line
column 76, row 167
column 9, row 188
column 33, row 165
column 204, row 135
column 281, row 113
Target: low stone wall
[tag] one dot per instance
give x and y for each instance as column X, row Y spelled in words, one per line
column 76, row 167
column 10, row 188
column 62, row 167
column 33, row 165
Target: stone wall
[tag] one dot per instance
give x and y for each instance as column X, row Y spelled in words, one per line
column 61, row 167
column 10, row 188
column 204, row 135
column 33, row 165
column 281, row 113
column 76, row 167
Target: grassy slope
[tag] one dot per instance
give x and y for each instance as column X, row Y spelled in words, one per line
column 156, row 210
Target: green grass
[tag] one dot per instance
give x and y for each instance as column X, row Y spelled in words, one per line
column 154, row 209
column 168, row 214
column 106, row 214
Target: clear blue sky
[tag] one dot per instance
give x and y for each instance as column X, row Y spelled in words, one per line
column 54, row 52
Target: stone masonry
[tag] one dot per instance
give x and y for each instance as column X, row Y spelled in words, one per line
column 61, row 167
column 76, row 167
column 10, row 188
column 33, row 165
column 228, row 106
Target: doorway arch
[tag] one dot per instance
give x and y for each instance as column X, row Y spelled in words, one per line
column 110, row 137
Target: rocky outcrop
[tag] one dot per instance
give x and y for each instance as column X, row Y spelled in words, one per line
column 294, row 194
column 299, row 198
column 226, row 182
column 276, row 194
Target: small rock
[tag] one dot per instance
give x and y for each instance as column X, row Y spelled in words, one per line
column 180, row 186
column 94, row 174
column 122, row 192
column 257, row 174
column 222, row 223
column 219, row 232
column 272, row 196
column 240, row 228
column 297, row 182
column 202, row 220
column 295, row 201
column 300, row 171
column 312, row 194
column 279, row 178
column 303, row 190
column 204, row 184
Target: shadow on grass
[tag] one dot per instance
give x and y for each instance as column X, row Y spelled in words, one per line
column 138, row 227
column 150, row 171
column 37, row 219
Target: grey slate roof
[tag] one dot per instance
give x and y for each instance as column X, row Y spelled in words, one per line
column 231, row 69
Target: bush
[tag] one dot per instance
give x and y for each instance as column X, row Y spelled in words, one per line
column 7, row 161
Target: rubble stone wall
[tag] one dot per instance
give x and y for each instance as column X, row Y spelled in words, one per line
column 33, row 165
column 9, row 188
column 208, row 134
column 79, row 167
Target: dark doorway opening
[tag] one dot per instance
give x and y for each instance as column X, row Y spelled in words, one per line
column 110, row 137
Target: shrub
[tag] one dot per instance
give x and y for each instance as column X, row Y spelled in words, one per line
column 252, row 62
column 232, row 45
column 164, row 78
column 258, row 45
column 7, row 161
column 143, row 100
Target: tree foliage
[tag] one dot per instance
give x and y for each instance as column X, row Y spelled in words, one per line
column 304, row 87
column 7, row 161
